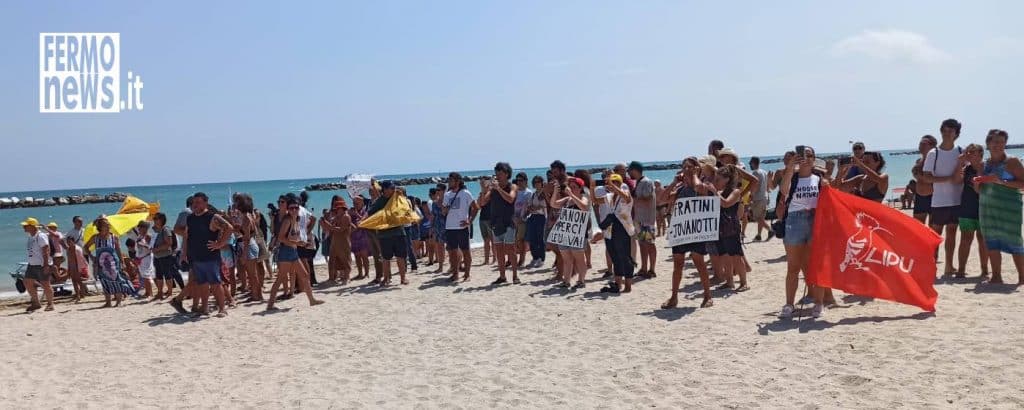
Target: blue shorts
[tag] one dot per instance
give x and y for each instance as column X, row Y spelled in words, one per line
column 507, row 238
column 287, row 254
column 798, row 227
column 207, row 272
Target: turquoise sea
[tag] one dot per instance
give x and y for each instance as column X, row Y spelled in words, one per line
column 172, row 197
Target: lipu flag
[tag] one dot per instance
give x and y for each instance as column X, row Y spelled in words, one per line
column 866, row 248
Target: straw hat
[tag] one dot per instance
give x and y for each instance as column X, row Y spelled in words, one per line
column 728, row 151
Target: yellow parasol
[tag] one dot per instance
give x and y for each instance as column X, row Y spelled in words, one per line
column 397, row 212
column 133, row 210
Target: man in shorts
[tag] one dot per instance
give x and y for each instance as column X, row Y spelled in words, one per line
column 38, row 270
column 391, row 240
column 459, row 209
column 645, row 216
column 940, row 166
column 206, row 233
column 759, row 198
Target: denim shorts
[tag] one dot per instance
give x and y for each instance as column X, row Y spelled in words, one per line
column 798, row 227
column 287, row 254
column 507, row 238
column 207, row 272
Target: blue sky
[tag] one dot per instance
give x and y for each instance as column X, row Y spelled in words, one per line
column 259, row 90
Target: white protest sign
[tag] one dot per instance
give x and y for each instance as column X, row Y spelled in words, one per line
column 694, row 219
column 571, row 229
column 358, row 185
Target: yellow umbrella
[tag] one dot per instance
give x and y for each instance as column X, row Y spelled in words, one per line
column 119, row 224
column 133, row 205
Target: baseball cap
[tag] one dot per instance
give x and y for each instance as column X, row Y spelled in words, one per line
column 52, row 225
column 30, row 222
column 615, row 179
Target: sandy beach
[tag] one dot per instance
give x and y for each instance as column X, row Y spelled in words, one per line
column 436, row 345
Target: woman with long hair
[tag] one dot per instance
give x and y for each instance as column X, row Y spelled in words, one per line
column 339, row 224
column 730, row 246
column 971, row 165
column 1000, row 206
column 573, row 259
column 288, row 261
column 360, row 238
column 687, row 184
column 800, row 210
column 536, row 217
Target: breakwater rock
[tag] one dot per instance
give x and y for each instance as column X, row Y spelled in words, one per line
column 32, row 202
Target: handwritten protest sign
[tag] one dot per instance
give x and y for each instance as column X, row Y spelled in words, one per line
column 694, row 219
column 571, row 229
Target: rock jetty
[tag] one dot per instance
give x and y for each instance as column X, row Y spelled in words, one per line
column 30, row 202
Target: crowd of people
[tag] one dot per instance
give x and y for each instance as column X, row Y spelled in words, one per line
column 232, row 253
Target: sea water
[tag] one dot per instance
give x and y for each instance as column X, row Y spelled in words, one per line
column 172, row 199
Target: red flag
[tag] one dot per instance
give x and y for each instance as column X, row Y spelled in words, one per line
column 869, row 249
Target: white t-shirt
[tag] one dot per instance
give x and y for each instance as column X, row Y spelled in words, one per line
column 34, row 246
column 805, row 197
column 943, row 163
column 77, row 235
column 458, row 208
column 606, row 208
column 303, row 219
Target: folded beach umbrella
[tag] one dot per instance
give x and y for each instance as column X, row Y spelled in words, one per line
column 396, row 213
column 133, row 205
column 119, row 223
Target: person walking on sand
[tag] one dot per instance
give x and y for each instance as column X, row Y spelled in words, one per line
column 687, row 184
column 459, row 210
column 206, row 233
column 940, row 166
column 645, row 215
column 39, row 266
column 393, row 246
column 500, row 196
column 289, row 264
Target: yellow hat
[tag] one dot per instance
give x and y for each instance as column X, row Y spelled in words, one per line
column 52, row 225
column 615, row 179
column 30, row 222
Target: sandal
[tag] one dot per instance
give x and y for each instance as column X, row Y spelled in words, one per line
column 707, row 303
column 499, row 281
column 610, row 289
column 726, row 286
column 670, row 304
column 743, row 288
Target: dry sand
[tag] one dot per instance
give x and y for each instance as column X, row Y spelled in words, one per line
column 435, row 345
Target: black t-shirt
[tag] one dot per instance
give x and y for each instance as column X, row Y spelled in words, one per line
column 969, row 198
column 501, row 211
column 199, row 235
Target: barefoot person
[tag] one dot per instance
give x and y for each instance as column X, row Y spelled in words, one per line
column 360, row 239
column 39, row 266
column 339, row 224
column 437, row 240
column 645, row 215
column 289, row 265
column 163, row 258
column 206, row 233
column 923, row 189
column 536, row 210
column 687, row 184
column 248, row 231
column 108, row 264
column 800, row 210
column 940, row 164
column 393, row 246
column 78, row 268
column 500, row 196
column 1000, row 206
column 574, row 259
column 459, row 210
column 971, row 165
